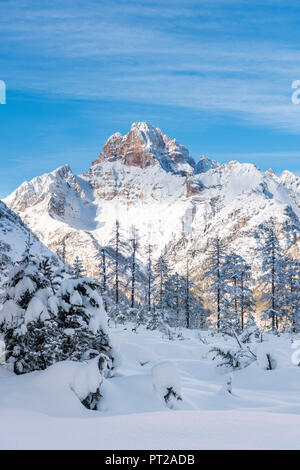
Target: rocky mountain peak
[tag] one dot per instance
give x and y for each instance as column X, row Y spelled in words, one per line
column 147, row 179
column 205, row 164
column 146, row 145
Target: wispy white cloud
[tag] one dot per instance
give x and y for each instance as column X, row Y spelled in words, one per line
column 169, row 52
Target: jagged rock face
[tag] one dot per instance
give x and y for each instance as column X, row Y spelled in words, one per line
column 147, row 180
column 50, row 190
column 145, row 146
column 58, row 194
column 205, row 164
column 194, row 187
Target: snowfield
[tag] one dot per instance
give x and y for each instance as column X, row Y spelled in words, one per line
column 42, row 410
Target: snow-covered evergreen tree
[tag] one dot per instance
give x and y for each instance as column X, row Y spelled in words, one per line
column 157, row 320
column 273, row 275
column 187, row 296
column 139, row 316
column 5, row 265
column 290, row 299
column 116, row 240
column 30, row 334
column 194, row 312
column 62, row 250
column 162, row 275
column 103, row 274
column 78, row 269
column 46, row 319
column 149, row 287
column 81, row 315
column 216, row 274
column 134, row 240
column 52, row 273
column 239, row 297
column 119, row 313
column 184, row 302
column 175, row 299
column 163, row 293
column 117, row 264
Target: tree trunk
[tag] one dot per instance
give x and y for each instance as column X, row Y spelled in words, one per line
column 117, row 261
column 242, row 301
column 133, row 273
column 149, row 278
column 104, row 276
column 187, row 301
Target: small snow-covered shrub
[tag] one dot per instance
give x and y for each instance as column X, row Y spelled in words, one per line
column 92, row 380
column 227, row 358
column 228, row 384
column 84, row 379
column 251, row 335
column 227, row 387
column 241, row 355
column 166, row 383
column 138, row 316
column 157, row 321
column 117, row 312
column 265, row 358
column 169, row 333
column 234, row 358
column 201, row 338
column 180, row 336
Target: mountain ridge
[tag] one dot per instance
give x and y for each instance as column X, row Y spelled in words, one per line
column 148, row 180
column 14, row 234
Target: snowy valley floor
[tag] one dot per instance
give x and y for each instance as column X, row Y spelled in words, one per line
column 40, row 410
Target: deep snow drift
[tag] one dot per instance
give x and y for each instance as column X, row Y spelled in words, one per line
column 42, row 410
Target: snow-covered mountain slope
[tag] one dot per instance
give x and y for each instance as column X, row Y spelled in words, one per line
column 291, row 182
column 236, row 199
column 150, row 181
column 205, row 164
column 59, row 207
column 13, row 237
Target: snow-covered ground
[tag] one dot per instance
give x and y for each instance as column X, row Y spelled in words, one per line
column 41, row 410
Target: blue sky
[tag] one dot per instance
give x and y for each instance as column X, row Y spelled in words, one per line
column 216, row 75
